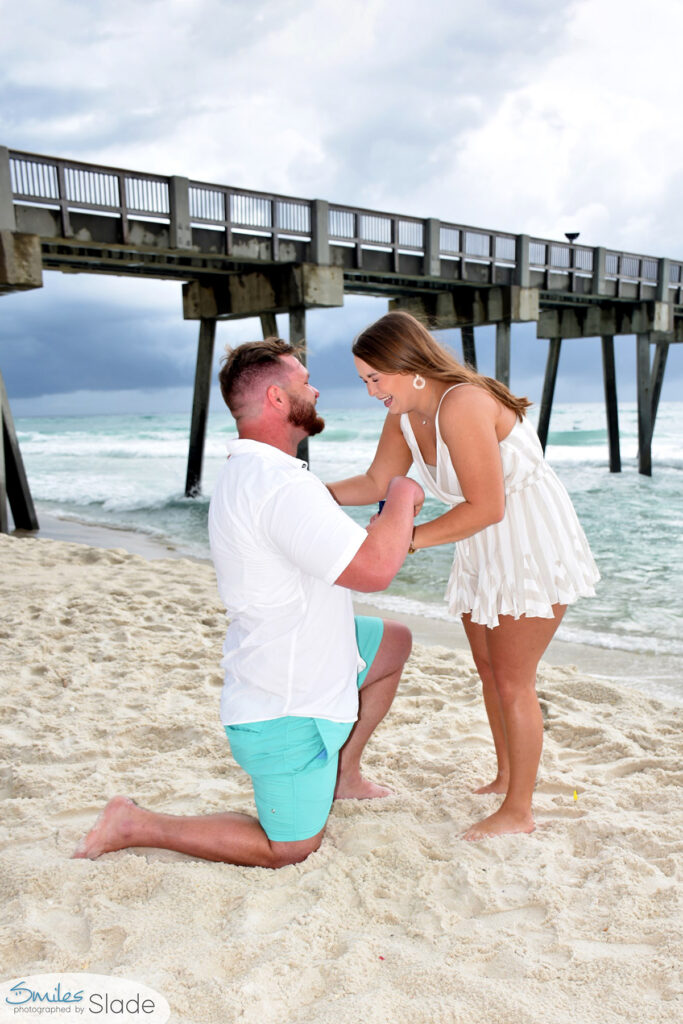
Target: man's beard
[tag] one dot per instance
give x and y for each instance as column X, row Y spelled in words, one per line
column 302, row 414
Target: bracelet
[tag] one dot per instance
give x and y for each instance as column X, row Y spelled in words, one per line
column 411, row 547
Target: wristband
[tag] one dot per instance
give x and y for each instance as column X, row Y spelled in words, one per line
column 411, row 547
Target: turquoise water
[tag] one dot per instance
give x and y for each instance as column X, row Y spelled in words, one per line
column 129, row 471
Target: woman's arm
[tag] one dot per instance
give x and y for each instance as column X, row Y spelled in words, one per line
column 382, row 554
column 392, row 458
column 468, row 421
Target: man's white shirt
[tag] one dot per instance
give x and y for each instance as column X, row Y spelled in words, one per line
column 278, row 543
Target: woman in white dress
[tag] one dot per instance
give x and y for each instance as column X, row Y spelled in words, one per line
column 520, row 554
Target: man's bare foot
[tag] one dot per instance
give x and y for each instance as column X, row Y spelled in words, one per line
column 499, row 785
column 111, row 831
column 503, row 822
column 359, row 788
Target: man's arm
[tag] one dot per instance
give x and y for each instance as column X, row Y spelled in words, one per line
column 382, row 553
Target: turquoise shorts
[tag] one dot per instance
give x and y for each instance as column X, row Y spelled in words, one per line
column 293, row 761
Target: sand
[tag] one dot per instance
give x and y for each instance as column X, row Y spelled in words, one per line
column 110, row 684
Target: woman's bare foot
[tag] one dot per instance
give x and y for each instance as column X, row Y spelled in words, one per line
column 358, row 788
column 499, row 785
column 502, row 822
column 112, row 830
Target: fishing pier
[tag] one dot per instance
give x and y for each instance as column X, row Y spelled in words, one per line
column 240, row 253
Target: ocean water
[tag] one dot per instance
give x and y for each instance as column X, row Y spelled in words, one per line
column 129, row 472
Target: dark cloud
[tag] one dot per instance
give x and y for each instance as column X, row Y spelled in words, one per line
column 55, row 341
column 111, row 339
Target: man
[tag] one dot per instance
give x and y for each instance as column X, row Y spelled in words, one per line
column 305, row 683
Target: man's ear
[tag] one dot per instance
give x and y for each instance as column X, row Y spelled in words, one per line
column 275, row 396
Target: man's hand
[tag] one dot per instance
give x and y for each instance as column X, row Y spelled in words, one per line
column 419, row 501
column 382, row 554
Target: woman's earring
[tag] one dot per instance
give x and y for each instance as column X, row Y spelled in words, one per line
column 418, row 382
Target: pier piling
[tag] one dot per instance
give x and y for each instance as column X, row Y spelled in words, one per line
column 200, row 406
column 503, row 331
column 268, row 325
column 469, row 351
column 552, row 363
column 297, row 336
column 658, row 367
column 611, row 410
column 13, row 480
column 644, row 380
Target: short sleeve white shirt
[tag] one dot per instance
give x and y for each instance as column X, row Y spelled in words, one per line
column 278, row 543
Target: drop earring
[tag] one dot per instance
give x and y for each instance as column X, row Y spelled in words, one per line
column 418, row 382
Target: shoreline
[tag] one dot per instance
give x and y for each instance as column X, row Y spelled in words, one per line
column 653, row 675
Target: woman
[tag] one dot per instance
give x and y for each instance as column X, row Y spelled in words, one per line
column 520, row 554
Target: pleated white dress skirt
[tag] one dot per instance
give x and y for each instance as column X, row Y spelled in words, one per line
column 535, row 557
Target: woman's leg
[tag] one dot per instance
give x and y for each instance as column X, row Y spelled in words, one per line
column 476, row 635
column 515, row 649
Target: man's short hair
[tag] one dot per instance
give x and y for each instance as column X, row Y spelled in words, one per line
column 242, row 367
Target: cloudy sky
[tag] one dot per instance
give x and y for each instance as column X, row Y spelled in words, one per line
column 519, row 115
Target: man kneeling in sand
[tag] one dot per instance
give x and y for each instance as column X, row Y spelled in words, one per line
column 305, row 683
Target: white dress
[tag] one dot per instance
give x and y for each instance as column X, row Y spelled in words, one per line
column 535, row 557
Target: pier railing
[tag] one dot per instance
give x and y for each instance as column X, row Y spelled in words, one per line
column 69, row 186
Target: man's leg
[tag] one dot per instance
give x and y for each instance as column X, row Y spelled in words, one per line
column 375, row 697
column 230, row 837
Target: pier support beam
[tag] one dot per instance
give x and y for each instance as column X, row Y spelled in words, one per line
column 503, row 352
column 268, row 325
column 650, row 379
column 13, row 481
column 271, row 289
column 611, row 410
column 200, row 406
column 548, row 390
column 644, row 382
column 21, row 265
column 297, row 330
column 297, row 336
column 658, row 367
column 464, row 306
column 469, row 352
column 20, row 262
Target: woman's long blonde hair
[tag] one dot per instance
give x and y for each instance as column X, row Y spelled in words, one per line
column 399, row 343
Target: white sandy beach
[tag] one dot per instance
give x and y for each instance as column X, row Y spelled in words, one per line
column 110, row 684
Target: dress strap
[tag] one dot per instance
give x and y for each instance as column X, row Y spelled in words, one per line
column 438, row 408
